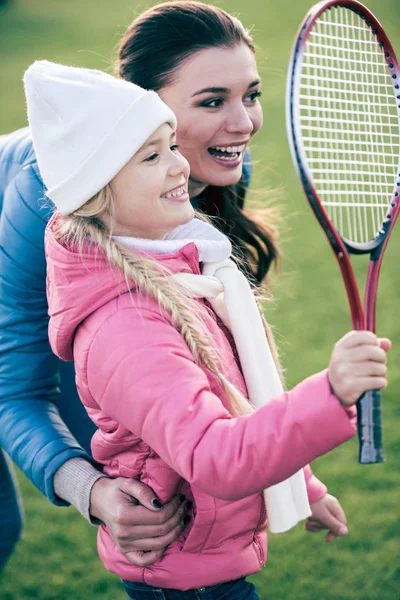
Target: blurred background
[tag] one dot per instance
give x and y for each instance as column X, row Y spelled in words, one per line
column 57, row 558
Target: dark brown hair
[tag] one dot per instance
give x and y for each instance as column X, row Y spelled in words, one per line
column 152, row 50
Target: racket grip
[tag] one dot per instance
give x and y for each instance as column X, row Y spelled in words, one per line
column 369, row 423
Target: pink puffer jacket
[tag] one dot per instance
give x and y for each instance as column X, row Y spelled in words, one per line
column 162, row 419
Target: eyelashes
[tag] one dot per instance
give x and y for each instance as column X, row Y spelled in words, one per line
column 218, row 102
column 256, row 94
column 152, row 157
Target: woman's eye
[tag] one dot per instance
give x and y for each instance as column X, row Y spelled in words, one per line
column 174, row 147
column 212, row 103
column 254, row 95
column 151, row 157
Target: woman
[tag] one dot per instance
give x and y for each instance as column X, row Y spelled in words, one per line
column 201, row 61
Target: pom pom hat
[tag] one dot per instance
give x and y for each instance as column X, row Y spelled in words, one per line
column 86, row 125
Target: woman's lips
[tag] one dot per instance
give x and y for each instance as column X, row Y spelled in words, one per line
column 227, row 156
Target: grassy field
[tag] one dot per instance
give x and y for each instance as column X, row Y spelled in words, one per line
column 57, row 558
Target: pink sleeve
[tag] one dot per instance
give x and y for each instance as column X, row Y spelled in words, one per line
column 315, row 488
column 142, row 375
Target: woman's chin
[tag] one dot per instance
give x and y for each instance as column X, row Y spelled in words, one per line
column 221, row 176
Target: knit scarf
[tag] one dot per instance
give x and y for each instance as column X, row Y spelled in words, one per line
column 230, row 296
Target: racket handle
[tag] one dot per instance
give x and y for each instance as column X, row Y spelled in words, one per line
column 369, row 423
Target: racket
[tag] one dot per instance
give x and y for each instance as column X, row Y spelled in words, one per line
column 342, row 112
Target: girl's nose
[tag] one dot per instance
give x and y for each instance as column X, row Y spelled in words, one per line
column 179, row 165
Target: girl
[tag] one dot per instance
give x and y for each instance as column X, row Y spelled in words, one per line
column 162, row 374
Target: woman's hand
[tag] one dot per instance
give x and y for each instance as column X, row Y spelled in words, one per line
column 140, row 526
column 358, row 364
column 327, row 514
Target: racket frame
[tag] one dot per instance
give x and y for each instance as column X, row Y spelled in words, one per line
column 361, row 317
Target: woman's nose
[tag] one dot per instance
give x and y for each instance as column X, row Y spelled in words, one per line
column 239, row 121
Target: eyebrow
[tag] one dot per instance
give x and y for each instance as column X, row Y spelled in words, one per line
column 152, row 143
column 155, row 142
column 223, row 90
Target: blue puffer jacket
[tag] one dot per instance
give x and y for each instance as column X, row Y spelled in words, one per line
column 42, row 421
column 35, row 387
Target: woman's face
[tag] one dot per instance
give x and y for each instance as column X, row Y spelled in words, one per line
column 214, row 95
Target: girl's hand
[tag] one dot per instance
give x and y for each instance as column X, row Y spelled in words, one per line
column 358, row 364
column 139, row 526
column 327, row 514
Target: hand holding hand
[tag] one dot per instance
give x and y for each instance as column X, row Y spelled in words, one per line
column 327, row 514
column 358, row 364
column 140, row 526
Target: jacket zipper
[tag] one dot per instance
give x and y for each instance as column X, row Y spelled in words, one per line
column 263, row 512
column 259, row 551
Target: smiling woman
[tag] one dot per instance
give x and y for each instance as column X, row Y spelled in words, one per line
column 201, row 61
column 216, row 122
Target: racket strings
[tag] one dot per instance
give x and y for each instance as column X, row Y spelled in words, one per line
column 349, row 123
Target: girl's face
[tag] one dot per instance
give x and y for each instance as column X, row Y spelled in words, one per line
column 151, row 190
column 214, row 95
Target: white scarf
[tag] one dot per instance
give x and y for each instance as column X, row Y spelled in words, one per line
column 230, row 295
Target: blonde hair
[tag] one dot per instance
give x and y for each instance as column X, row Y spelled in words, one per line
column 88, row 226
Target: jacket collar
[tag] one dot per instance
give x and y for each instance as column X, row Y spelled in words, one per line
column 211, row 244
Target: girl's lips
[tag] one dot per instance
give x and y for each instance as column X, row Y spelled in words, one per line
column 183, row 198
column 178, row 194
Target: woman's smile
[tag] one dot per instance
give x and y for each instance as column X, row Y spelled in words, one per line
column 228, row 155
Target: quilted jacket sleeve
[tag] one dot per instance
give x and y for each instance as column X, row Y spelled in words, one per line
column 31, row 430
column 141, row 374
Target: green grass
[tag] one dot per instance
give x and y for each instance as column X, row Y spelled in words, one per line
column 57, row 558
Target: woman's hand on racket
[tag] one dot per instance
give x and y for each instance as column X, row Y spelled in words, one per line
column 327, row 514
column 138, row 523
column 358, row 364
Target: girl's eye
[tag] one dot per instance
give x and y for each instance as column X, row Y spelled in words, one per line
column 212, row 103
column 174, row 147
column 151, row 157
column 254, row 95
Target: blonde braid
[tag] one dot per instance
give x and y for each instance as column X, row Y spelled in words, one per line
column 84, row 227
column 87, row 226
column 152, row 281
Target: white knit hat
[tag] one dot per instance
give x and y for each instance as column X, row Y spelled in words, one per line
column 86, row 125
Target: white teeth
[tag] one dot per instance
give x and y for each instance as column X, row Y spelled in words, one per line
column 230, row 148
column 175, row 193
column 227, row 158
